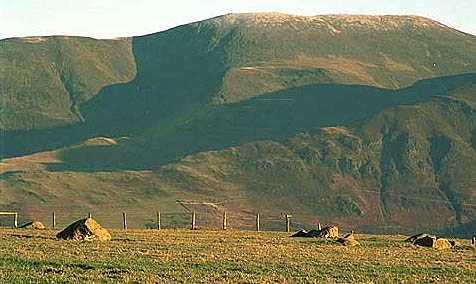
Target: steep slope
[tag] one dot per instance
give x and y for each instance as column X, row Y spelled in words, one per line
column 408, row 167
column 269, row 52
column 44, row 80
column 411, row 166
column 277, row 116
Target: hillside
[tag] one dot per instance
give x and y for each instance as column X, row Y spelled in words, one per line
column 47, row 80
column 413, row 159
column 269, row 52
column 44, row 80
column 362, row 121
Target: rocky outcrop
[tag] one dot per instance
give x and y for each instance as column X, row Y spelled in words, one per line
column 85, row 230
column 33, row 225
column 326, row 232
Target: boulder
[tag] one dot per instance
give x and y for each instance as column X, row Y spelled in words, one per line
column 425, row 241
column 418, row 236
column 329, row 232
column 348, row 240
column 85, row 230
column 349, row 236
column 432, row 242
column 33, row 225
column 301, row 234
column 305, row 234
column 455, row 243
column 442, row 243
column 326, row 232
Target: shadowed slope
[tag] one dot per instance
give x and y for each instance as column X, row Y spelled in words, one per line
column 46, row 80
column 275, row 116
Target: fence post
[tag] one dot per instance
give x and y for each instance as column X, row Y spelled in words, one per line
column 288, row 222
column 224, row 220
column 53, row 219
column 89, row 215
column 15, row 220
column 473, row 241
column 257, row 222
column 158, row 220
column 319, row 227
column 193, row 220
column 124, row 221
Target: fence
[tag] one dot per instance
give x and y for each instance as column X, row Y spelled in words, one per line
column 221, row 219
column 171, row 220
column 15, row 217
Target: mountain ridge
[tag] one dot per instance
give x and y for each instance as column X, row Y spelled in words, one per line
column 247, row 61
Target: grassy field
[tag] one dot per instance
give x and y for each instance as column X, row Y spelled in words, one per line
column 203, row 256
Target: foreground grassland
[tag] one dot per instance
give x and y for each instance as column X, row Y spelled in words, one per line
column 178, row 256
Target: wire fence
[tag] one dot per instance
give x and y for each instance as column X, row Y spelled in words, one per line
column 167, row 220
column 208, row 219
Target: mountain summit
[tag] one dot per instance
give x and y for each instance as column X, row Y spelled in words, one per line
column 46, row 80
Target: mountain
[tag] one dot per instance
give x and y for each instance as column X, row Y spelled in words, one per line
column 363, row 121
column 47, row 80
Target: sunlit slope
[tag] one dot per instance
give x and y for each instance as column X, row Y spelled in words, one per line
column 269, row 52
column 47, row 80
column 44, row 80
column 231, row 58
column 410, row 166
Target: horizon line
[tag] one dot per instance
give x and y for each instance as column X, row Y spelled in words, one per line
column 122, row 37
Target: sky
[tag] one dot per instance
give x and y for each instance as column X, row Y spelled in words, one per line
column 120, row 18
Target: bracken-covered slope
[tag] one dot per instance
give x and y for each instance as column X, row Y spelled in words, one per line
column 362, row 121
column 410, row 165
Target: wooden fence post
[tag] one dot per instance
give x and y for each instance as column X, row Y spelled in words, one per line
column 158, row 220
column 193, row 220
column 319, row 227
column 89, row 215
column 288, row 222
column 257, row 222
column 224, row 220
column 124, row 221
column 15, row 220
column 53, row 219
column 473, row 241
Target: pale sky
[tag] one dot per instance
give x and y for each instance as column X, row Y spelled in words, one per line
column 117, row 18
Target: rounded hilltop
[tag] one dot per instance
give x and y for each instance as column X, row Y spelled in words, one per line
column 249, row 55
column 331, row 21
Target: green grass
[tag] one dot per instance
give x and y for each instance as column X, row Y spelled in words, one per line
column 183, row 256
